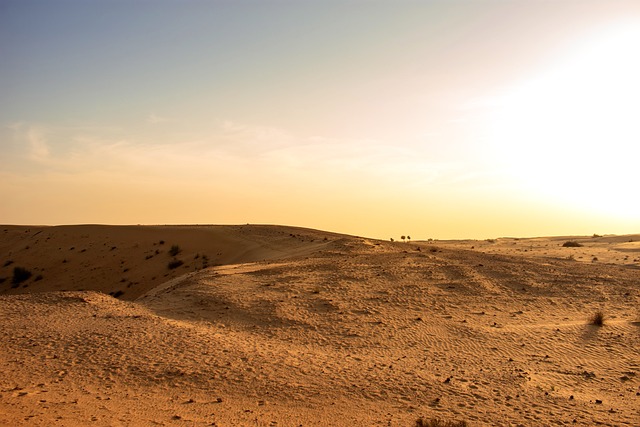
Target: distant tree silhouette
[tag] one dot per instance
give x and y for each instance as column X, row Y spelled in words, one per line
column 408, row 237
column 403, row 238
column 391, row 239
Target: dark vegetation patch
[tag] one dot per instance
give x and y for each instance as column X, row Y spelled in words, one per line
column 437, row 422
column 20, row 274
column 175, row 250
column 597, row 319
column 571, row 244
column 174, row 263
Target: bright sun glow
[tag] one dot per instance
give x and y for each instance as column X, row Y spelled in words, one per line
column 573, row 132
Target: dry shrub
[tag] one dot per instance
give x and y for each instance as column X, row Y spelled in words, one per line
column 437, row 422
column 571, row 244
column 597, row 319
column 175, row 263
column 20, row 274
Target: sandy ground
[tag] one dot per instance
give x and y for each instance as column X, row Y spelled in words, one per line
column 290, row 327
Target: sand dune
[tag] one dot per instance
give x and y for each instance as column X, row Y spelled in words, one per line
column 134, row 259
column 300, row 327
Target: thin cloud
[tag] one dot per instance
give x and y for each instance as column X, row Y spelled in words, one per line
column 155, row 119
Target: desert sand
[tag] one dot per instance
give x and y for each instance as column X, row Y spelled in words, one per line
column 284, row 326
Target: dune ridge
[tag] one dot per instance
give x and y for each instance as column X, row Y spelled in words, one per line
column 134, row 259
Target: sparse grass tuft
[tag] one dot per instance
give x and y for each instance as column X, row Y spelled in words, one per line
column 437, row 422
column 597, row 319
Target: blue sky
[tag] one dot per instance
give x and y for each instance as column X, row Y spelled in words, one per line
column 365, row 117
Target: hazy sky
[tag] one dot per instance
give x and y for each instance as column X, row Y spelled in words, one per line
column 442, row 119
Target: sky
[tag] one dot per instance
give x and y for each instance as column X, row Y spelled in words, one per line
column 437, row 119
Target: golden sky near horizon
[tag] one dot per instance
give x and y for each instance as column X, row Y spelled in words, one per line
column 462, row 119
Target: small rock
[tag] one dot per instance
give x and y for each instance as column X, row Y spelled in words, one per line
column 219, row 399
column 598, row 402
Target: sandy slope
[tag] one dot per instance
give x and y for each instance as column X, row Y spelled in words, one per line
column 134, row 259
column 350, row 331
column 621, row 250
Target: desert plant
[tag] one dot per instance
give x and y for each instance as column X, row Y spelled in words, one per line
column 597, row 319
column 20, row 275
column 174, row 263
column 437, row 422
column 571, row 244
column 391, row 239
column 175, row 250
